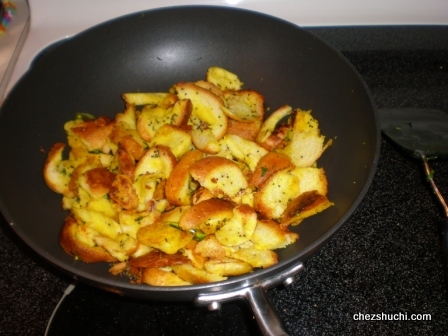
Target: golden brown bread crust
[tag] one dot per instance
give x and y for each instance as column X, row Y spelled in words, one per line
column 307, row 204
column 126, row 163
column 159, row 193
column 277, row 138
column 177, row 184
column 245, row 130
column 132, row 147
column 267, row 166
column 189, row 273
column 99, row 180
column 201, row 168
column 121, row 136
column 73, row 183
column 183, row 89
column 210, row 86
column 244, row 105
column 153, row 158
column 271, row 123
column 95, row 132
column 273, row 195
column 55, row 151
column 78, row 172
column 210, row 247
column 54, row 155
column 164, row 237
column 203, row 211
column 256, row 258
column 207, row 121
column 227, row 267
column 221, row 176
column 169, row 100
column 123, row 193
column 201, row 194
column 182, row 112
column 158, row 277
column 196, row 259
column 269, row 235
column 156, row 259
column 78, row 249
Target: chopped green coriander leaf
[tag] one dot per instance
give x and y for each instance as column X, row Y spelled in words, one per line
column 84, row 116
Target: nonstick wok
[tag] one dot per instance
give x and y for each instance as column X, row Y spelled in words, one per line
column 150, row 51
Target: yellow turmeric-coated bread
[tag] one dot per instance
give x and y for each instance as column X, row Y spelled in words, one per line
column 189, row 186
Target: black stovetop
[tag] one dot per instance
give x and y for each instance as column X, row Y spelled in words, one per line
column 385, row 259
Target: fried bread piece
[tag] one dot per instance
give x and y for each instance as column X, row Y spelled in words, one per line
column 221, row 176
column 223, row 79
column 179, row 186
column 305, row 205
column 267, row 166
column 69, row 241
column 159, row 277
column 157, row 160
column 207, row 118
column 245, row 106
column 94, row 133
column 57, row 172
column 164, row 237
column 157, row 259
column 307, row 144
column 208, row 215
column 244, row 130
column 275, row 193
column 268, row 235
column 193, row 275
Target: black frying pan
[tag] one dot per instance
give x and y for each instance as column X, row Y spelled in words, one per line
column 149, row 51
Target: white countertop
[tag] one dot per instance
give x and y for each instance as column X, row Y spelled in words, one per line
column 12, row 40
column 53, row 20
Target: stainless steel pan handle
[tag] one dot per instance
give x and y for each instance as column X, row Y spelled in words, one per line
column 267, row 318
